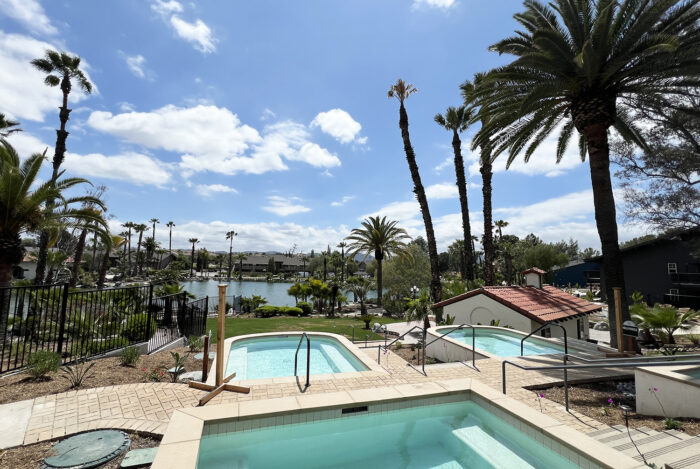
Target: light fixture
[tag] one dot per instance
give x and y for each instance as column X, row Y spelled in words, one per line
column 626, row 411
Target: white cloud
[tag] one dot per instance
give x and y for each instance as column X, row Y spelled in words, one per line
column 136, row 64
column 443, row 190
column 343, row 201
column 267, row 115
column 30, row 14
column 166, row 8
column 284, row 206
column 291, row 140
column 442, row 4
column 197, row 33
column 23, row 94
column 340, row 125
column 208, row 190
column 27, row 144
column 136, row 168
column 444, row 164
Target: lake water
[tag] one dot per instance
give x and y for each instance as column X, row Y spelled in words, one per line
column 274, row 293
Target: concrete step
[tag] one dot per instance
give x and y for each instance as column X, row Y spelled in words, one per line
column 690, row 462
column 680, row 450
column 613, row 439
column 602, row 432
column 645, row 444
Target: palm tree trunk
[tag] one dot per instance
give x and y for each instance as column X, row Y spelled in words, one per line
column 138, row 251
column 606, row 221
column 41, row 258
column 379, row 280
column 240, row 270
column 192, row 262
column 486, row 189
column 103, row 267
column 435, row 285
column 94, row 252
column 170, row 243
column 468, row 261
column 77, row 258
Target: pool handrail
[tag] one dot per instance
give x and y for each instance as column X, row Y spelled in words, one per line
column 616, row 364
column 461, row 326
column 400, row 337
column 308, row 356
column 547, row 324
column 633, row 359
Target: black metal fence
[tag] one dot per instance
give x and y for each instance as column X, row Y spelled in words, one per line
column 84, row 323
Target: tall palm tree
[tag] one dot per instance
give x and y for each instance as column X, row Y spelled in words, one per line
column 193, row 241
column 342, row 246
column 240, row 257
column 154, row 222
column 24, row 210
column 80, row 246
column 129, row 226
column 457, row 120
column 110, row 242
column 578, row 66
column 304, row 260
column 139, row 228
column 230, row 235
column 61, row 69
column 170, row 225
column 486, row 169
column 8, row 127
column 381, row 238
column 401, row 91
column 500, row 224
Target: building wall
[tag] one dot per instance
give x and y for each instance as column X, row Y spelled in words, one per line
column 481, row 309
column 575, row 274
column 679, row 399
column 571, row 327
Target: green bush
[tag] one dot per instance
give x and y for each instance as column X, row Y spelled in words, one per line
column 136, row 328
column 129, row 356
column 268, row 311
column 292, row 311
column 367, row 318
column 40, row 363
column 97, row 347
column 195, row 343
column 305, row 307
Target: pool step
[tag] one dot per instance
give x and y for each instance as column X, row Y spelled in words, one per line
column 671, row 447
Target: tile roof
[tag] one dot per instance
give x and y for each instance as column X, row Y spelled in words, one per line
column 541, row 305
column 533, row 270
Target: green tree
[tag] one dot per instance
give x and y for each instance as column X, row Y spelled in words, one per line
column 193, row 241
column 419, row 310
column 129, row 226
column 456, row 120
column 62, row 69
column 401, row 91
column 154, row 222
column 400, row 274
column 230, row 235
column 7, row 126
column 139, row 228
column 110, row 242
column 500, row 224
column 360, row 287
column 545, row 256
column 170, row 226
column 240, row 257
column 577, row 64
column 381, row 238
column 666, row 318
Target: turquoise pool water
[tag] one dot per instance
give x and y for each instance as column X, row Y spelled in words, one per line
column 273, row 357
column 692, row 372
column 456, row 435
column 504, row 343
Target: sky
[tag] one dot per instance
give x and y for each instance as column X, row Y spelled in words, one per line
column 271, row 118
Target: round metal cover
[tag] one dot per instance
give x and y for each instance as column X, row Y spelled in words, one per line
column 87, row 450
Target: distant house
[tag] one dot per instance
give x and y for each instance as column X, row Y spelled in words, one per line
column 578, row 272
column 665, row 269
column 283, row 264
column 524, row 308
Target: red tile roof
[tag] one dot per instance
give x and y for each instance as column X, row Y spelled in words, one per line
column 533, row 270
column 541, row 305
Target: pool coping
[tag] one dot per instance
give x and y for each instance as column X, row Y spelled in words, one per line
column 352, row 348
column 670, row 372
column 180, row 444
column 480, row 354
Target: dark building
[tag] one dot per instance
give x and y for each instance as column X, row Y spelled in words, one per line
column 581, row 273
column 665, row 269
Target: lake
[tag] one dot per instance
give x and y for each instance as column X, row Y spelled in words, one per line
column 275, row 293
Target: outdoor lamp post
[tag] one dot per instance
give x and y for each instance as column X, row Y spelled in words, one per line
column 626, row 411
column 414, row 291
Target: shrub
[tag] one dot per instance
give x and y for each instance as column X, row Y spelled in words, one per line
column 77, row 373
column 306, row 308
column 672, row 424
column 136, row 328
column 40, row 363
column 97, row 347
column 268, row 311
column 694, row 339
column 179, row 366
column 129, row 356
column 367, row 318
column 195, row 343
column 292, row 311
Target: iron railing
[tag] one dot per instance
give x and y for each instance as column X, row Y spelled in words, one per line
column 308, row 357
column 682, row 301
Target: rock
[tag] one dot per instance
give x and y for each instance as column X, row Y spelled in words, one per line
column 191, row 376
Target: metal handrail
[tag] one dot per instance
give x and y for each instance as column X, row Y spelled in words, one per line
column 547, row 324
column 401, row 336
column 632, row 359
column 627, row 364
column 308, row 356
column 461, row 326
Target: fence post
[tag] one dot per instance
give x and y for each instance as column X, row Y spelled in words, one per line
column 62, row 318
column 150, row 310
column 206, row 311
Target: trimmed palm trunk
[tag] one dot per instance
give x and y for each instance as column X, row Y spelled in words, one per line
column 139, row 264
column 379, row 256
column 104, row 266
column 467, row 253
column 77, row 258
column 435, row 285
column 486, row 189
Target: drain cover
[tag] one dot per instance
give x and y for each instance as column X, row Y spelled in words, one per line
column 88, row 449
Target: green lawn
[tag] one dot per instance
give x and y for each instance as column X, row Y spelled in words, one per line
column 342, row 326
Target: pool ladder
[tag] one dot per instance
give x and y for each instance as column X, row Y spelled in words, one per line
column 308, row 356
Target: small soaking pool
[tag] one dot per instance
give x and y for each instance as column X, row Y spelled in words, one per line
column 504, row 343
column 273, row 357
column 452, row 435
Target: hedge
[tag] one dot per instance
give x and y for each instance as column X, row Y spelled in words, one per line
column 268, row 311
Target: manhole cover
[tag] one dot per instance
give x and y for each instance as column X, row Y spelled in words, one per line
column 88, row 449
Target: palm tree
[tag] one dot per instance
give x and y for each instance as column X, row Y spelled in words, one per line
column 401, row 91
column 154, row 222
column 240, row 257
column 486, row 169
column 25, row 210
column 360, row 287
column 500, row 224
column 342, row 246
column 381, row 238
column 193, row 241
column 139, row 228
column 419, row 310
column 304, row 260
column 110, row 242
column 61, row 69
column 667, row 318
column 54, row 260
column 80, row 247
column 8, row 127
column 578, row 66
column 230, row 235
column 129, row 226
column 170, row 225
column 457, row 120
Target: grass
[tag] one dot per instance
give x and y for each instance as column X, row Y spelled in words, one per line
column 342, row 326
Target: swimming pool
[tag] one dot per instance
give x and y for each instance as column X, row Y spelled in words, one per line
column 504, row 343
column 692, row 372
column 452, row 435
column 268, row 356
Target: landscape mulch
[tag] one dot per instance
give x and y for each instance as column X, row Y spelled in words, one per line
column 105, row 372
column 592, row 400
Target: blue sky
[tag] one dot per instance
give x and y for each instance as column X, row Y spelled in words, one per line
column 271, row 118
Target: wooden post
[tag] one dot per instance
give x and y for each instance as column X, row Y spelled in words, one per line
column 220, row 335
column 617, row 292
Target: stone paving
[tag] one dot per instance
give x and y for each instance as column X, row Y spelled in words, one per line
column 147, row 407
